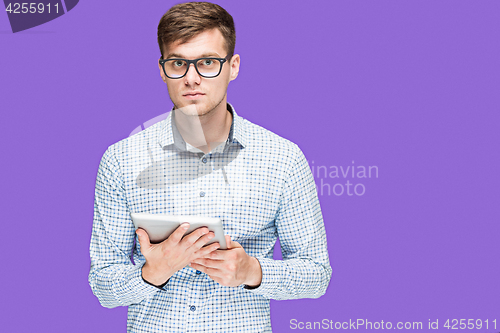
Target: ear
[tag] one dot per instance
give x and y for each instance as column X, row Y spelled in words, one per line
column 162, row 74
column 234, row 63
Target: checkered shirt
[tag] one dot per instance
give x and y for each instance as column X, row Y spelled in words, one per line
column 258, row 183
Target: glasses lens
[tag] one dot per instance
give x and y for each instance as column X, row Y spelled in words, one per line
column 208, row 67
column 175, row 68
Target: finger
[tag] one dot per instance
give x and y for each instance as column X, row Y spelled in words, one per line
column 143, row 238
column 216, row 255
column 216, row 264
column 193, row 237
column 206, row 250
column 176, row 236
column 203, row 240
column 207, row 270
column 228, row 241
column 231, row 244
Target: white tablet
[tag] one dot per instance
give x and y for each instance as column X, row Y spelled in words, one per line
column 160, row 226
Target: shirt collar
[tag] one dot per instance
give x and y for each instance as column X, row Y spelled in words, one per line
column 170, row 135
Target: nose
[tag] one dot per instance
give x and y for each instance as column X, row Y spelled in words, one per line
column 192, row 76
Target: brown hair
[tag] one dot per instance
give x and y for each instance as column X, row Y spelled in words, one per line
column 186, row 20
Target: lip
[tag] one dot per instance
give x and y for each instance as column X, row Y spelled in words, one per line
column 193, row 95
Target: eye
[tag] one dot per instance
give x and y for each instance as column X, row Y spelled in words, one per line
column 178, row 63
column 207, row 62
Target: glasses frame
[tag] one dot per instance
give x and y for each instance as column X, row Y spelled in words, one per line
column 194, row 61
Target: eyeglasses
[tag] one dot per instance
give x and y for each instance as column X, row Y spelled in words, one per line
column 177, row 68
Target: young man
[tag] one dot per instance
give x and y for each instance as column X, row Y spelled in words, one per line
column 205, row 160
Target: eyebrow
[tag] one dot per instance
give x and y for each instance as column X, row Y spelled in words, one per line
column 205, row 55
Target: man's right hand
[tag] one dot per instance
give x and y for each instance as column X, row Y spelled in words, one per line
column 174, row 253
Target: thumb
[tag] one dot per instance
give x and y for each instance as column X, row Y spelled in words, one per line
column 230, row 243
column 143, row 238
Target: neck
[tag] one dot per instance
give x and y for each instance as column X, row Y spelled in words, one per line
column 205, row 131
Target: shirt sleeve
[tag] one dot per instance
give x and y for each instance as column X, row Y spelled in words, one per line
column 114, row 279
column 305, row 270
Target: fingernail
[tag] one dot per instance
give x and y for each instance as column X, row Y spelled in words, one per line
column 185, row 225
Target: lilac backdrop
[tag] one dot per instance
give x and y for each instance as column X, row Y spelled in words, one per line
column 410, row 87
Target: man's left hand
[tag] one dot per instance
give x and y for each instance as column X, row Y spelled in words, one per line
column 231, row 267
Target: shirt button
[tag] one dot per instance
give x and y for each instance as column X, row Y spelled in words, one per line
column 204, row 160
column 192, row 308
column 198, row 272
column 202, row 194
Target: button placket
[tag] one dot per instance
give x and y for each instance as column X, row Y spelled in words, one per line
column 203, row 171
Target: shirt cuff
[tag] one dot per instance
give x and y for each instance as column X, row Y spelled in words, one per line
column 138, row 284
column 272, row 273
column 159, row 287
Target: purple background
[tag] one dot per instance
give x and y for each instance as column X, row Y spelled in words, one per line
column 409, row 86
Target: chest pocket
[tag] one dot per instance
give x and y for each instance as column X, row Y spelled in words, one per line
column 250, row 209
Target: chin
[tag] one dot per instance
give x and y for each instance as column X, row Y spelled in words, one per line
column 194, row 109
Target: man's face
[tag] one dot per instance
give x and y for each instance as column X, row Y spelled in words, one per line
column 205, row 94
